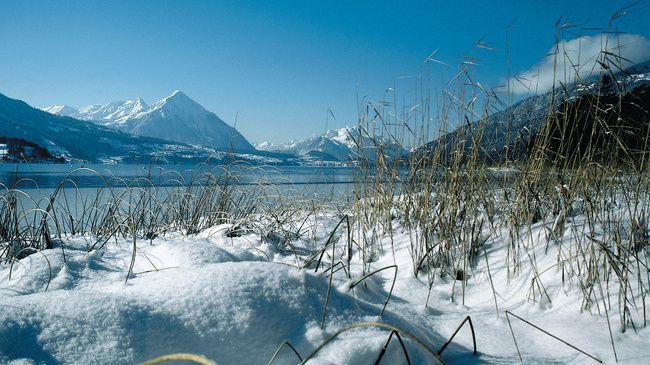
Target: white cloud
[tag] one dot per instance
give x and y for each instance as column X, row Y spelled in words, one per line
column 578, row 57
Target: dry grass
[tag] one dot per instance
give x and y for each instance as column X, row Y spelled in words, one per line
column 449, row 198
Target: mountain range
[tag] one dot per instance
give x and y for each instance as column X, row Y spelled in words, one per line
column 340, row 145
column 175, row 118
column 177, row 128
column 83, row 141
column 77, row 140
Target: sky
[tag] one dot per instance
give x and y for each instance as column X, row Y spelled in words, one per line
column 275, row 69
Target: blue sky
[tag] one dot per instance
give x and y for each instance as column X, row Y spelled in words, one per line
column 274, row 67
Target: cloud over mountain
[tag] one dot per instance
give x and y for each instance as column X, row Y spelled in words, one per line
column 579, row 58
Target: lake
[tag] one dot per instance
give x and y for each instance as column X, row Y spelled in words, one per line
column 39, row 181
column 34, row 184
column 45, row 176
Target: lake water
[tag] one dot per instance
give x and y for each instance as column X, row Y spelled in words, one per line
column 34, row 184
column 44, row 176
column 40, row 180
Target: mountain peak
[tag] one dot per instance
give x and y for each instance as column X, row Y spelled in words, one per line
column 63, row 110
column 136, row 105
column 179, row 101
column 177, row 94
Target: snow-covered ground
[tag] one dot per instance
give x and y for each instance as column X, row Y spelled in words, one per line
column 235, row 300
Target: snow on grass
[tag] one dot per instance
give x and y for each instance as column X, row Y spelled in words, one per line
column 234, row 300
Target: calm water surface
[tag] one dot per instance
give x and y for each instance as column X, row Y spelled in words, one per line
column 39, row 180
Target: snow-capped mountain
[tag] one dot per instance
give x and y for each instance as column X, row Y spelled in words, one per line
column 175, row 118
column 105, row 114
column 83, row 141
column 339, row 145
column 62, row 110
column 111, row 112
column 78, row 140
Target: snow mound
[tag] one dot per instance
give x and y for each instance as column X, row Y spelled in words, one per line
column 205, row 295
column 235, row 300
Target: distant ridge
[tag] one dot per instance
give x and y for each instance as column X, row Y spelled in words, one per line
column 339, row 145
